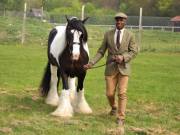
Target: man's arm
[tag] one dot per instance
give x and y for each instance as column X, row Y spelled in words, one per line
column 100, row 53
column 132, row 50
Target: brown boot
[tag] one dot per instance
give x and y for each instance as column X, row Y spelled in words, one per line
column 113, row 111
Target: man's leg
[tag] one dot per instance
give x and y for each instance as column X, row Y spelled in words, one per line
column 122, row 97
column 111, row 82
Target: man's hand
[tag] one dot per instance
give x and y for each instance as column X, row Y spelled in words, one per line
column 118, row 59
column 87, row 66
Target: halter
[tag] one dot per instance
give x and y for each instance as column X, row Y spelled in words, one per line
column 76, row 43
column 77, row 25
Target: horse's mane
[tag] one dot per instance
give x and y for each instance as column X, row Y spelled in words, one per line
column 77, row 24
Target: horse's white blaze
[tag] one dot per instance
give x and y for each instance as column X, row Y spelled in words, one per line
column 52, row 97
column 77, row 35
column 76, row 51
column 81, row 104
column 59, row 42
column 64, row 108
column 76, row 47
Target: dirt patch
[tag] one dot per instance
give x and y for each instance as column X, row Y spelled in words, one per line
column 177, row 118
column 152, row 108
column 3, row 35
column 115, row 131
column 24, row 107
column 151, row 131
column 16, row 122
column 6, row 130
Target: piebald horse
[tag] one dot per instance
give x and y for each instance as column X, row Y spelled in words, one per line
column 67, row 53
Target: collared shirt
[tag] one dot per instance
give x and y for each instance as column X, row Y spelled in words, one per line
column 121, row 35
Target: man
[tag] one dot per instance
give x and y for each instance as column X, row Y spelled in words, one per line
column 121, row 47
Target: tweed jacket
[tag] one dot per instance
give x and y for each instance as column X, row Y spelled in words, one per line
column 128, row 49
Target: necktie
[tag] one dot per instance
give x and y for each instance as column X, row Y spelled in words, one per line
column 118, row 38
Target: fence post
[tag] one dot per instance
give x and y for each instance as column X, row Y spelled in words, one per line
column 42, row 13
column 82, row 13
column 140, row 27
column 4, row 13
column 24, row 23
column 162, row 28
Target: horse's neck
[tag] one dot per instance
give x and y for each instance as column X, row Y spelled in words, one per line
column 59, row 42
column 85, row 45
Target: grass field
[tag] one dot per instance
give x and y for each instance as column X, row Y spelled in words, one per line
column 153, row 96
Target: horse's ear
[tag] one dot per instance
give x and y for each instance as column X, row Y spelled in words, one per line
column 67, row 18
column 83, row 21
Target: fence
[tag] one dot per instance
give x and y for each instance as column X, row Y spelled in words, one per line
column 95, row 19
column 153, row 38
column 150, row 40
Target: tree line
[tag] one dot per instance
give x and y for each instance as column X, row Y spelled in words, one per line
column 98, row 7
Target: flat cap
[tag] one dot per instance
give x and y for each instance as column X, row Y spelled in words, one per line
column 120, row 15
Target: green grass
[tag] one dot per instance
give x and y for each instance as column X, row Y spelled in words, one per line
column 153, row 93
column 153, row 96
column 36, row 32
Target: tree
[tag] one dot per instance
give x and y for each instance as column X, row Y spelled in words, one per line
column 175, row 10
column 34, row 3
column 164, row 6
column 12, row 4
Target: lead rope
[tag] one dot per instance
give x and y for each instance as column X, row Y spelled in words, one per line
column 102, row 65
column 99, row 66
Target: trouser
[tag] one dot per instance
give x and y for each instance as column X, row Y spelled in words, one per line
column 119, row 82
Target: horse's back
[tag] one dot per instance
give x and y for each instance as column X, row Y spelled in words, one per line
column 58, row 41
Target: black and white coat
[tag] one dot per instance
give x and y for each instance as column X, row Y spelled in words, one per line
column 67, row 53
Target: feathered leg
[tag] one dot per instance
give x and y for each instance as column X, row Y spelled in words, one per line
column 52, row 97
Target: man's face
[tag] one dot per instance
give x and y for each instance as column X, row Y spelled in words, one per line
column 120, row 22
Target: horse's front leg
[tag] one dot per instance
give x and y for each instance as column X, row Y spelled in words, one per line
column 81, row 105
column 72, row 88
column 52, row 97
column 64, row 108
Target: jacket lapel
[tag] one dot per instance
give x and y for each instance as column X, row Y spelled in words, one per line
column 112, row 39
column 123, row 38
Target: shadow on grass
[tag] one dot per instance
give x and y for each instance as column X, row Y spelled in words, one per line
column 25, row 104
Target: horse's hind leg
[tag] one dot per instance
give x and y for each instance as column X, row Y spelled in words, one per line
column 81, row 105
column 53, row 98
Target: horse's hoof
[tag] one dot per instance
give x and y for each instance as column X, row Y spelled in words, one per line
column 64, row 108
column 83, row 108
column 52, row 99
column 87, row 111
column 52, row 102
column 81, row 105
column 63, row 111
column 60, row 114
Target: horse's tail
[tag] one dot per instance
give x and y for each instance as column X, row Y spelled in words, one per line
column 45, row 83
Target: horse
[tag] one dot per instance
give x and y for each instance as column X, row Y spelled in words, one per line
column 67, row 53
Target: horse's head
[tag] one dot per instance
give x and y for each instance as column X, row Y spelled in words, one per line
column 76, row 36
